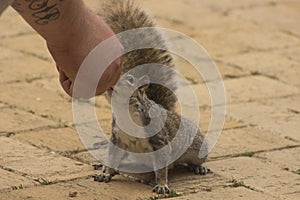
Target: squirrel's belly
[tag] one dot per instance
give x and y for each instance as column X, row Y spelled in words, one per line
column 132, row 144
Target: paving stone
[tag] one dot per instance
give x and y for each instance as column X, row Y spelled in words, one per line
column 256, row 88
column 53, row 85
column 227, row 193
column 85, row 157
column 94, row 5
column 227, row 5
column 12, row 24
column 280, row 116
column 171, row 18
column 180, row 8
column 13, row 120
column 38, row 163
column 286, row 158
column 287, row 13
column 291, row 196
column 259, row 175
column 205, row 120
column 244, row 140
column 236, row 40
column 247, row 89
column 3, row 106
column 189, row 72
column 25, row 68
column 85, row 189
column 229, row 71
column 38, row 100
column 211, row 32
column 31, row 44
column 185, row 182
column 10, row 179
column 271, row 64
column 62, row 139
column 9, row 54
column 291, row 53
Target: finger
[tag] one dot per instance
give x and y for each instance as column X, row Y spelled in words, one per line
column 110, row 77
column 65, row 82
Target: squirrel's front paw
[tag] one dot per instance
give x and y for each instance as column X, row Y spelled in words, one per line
column 161, row 189
column 102, row 178
column 199, row 169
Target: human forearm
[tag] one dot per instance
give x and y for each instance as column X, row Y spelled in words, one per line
column 52, row 19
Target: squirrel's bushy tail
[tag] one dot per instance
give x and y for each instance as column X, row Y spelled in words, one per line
column 124, row 15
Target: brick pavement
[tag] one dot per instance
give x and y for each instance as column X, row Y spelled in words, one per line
column 256, row 45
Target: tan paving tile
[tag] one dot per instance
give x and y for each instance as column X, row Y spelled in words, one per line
column 228, row 71
column 259, row 175
column 279, row 116
column 86, row 157
column 38, row 100
column 86, row 189
column 226, row 5
column 286, row 158
column 256, row 88
column 236, row 40
column 9, row 54
column 172, row 18
column 185, row 182
column 13, row 120
column 25, row 68
column 2, row 105
column 245, row 89
column 291, row 53
column 227, row 193
column 62, row 139
column 179, row 8
column 32, row 44
column 205, row 120
column 270, row 64
column 38, row 163
column 193, row 76
column 10, row 179
column 237, row 141
column 287, row 13
column 53, row 85
column 12, row 24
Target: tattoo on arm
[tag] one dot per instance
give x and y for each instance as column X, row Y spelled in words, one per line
column 43, row 11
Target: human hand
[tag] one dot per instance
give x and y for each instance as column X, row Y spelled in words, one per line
column 70, row 54
column 72, row 31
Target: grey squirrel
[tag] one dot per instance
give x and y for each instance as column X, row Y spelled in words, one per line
column 142, row 111
column 149, row 102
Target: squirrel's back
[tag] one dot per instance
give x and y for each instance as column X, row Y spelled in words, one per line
column 124, row 15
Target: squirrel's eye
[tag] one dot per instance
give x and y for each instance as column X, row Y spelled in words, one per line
column 130, row 79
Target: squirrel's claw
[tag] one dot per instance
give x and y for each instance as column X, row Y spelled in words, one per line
column 97, row 166
column 200, row 170
column 102, row 178
column 161, row 189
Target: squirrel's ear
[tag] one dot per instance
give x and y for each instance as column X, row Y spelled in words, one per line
column 144, row 80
